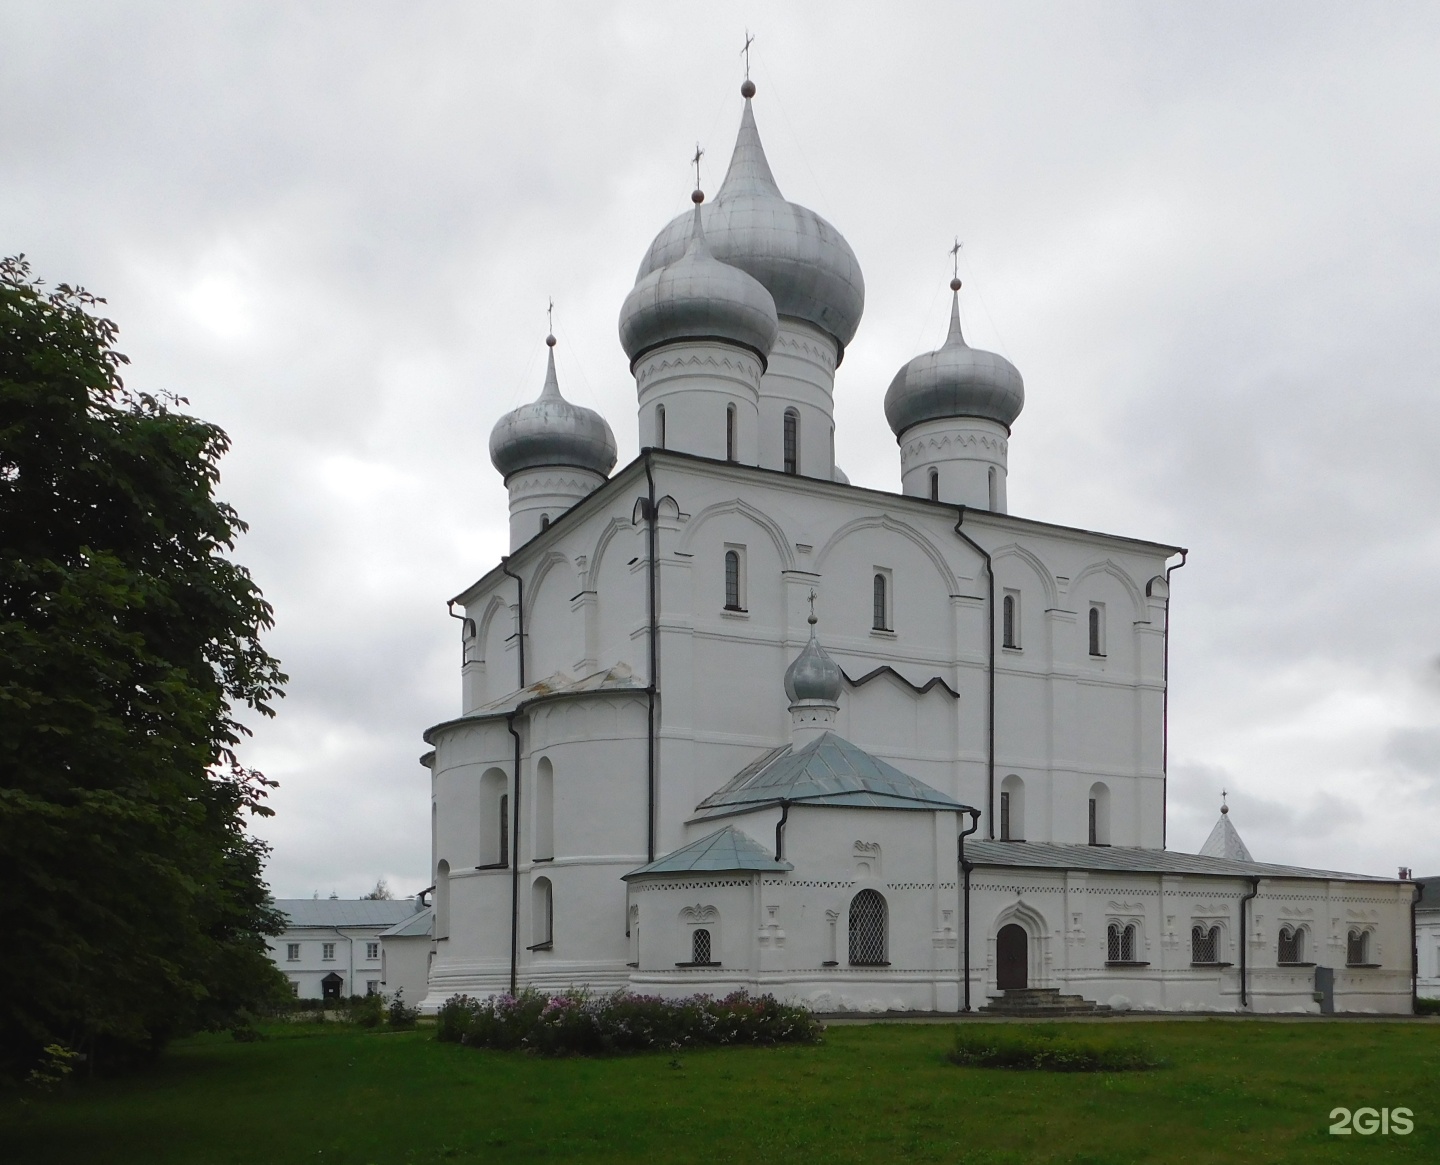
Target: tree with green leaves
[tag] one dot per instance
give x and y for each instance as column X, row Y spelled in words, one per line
column 132, row 898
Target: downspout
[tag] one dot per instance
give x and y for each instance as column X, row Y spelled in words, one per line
column 780, row 832
column 965, row 868
column 1245, row 943
column 467, row 624
column 1165, row 709
column 652, row 688
column 1414, row 953
column 514, row 864
column 990, row 714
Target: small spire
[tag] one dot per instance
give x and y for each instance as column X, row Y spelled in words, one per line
column 955, row 336
column 552, row 383
column 749, row 171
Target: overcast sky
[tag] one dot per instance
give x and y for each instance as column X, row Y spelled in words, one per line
column 1208, row 234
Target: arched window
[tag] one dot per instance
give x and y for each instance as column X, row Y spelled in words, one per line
column 867, row 930
column 732, row 580
column 994, row 488
column 1120, row 942
column 1097, row 630
column 1099, row 805
column 442, row 900
column 792, row 441
column 729, row 432
column 700, row 947
column 1010, row 621
column 881, row 606
column 544, row 521
column 494, row 813
column 1357, row 948
column 544, row 810
column 660, row 426
column 1205, row 944
column 934, row 485
column 1292, row 945
column 1012, row 809
column 542, row 915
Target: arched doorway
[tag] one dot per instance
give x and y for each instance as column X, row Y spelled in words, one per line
column 1012, row 958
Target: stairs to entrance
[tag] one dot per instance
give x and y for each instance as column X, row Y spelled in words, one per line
column 1042, row 1003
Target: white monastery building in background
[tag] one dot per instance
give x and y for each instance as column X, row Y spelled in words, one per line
column 728, row 721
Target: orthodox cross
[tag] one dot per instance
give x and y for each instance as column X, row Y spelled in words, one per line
column 745, row 52
column 812, row 620
column 699, row 153
column 550, row 317
column 955, row 256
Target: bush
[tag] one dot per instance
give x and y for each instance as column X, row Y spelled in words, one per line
column 578, row 1023
column 401, row 1017
column 1048, row 1050
column 1427, row 1007
column 370, row 1011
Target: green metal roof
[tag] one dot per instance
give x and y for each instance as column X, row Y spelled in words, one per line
column 1133, row 860
column 827, row 771
column 723, row 851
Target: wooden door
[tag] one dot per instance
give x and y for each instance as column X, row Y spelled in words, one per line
column 1012, row 958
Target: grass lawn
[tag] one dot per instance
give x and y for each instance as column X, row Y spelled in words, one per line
column 1237, row 1092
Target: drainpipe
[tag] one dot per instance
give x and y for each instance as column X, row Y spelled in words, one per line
column 1165, row 709
column 1414, row 954
column 780, row 832
column 519, row 611
column 990, row 714
column 1245, row 943
column 965, row 868
column 467, row 630
column 514, row 863
column 652, row 689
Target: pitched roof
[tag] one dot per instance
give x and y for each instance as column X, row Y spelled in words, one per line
column 378, row 913
column 1429, row 894
column 827, row 771
column 1224, row 841
column 418, row 925
column 725, row 850
column 1131, row 860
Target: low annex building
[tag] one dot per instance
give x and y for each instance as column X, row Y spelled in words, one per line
column 332, row 948
column 729, row 721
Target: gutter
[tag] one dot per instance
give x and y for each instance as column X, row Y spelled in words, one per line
column 990, row 668
column 652, row 688
column 519, row 612
column 1245, row 943
column 965, row 868
column 1165, row 709
column 785, row 816
column 515, row 864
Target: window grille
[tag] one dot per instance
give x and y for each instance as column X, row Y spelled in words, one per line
column 1097, row 646
column 1357, row 947
column 1011, row 637
column 732, row 580
column 792, row 441
column 700, row 946
column 292, row 952
column 729, row 432
column 881, row 609
column 867, row 930
column 1004, row 816
column 934, row 485
column 1290, row 944
column 1120, row 943
column 504, row 829
column 1204, row 944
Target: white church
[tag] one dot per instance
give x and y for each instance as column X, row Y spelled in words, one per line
column 728, row 721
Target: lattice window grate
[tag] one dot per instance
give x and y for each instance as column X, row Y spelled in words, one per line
column 1204, row 944
column 867, row 929
column 700, row 946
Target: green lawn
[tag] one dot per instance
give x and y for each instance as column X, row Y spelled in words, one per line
column 1237, row 1092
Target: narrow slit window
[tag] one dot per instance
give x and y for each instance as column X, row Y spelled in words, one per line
column 1004, row 816
column 504, row 829
column 1093, row 821
column 1010, row 621
column 732, row 580
column 994, row 488
column 792, row 441
column 881, row 611
column 934, row 485
column 1097, row 631
column 660, row 426
column 729, row 432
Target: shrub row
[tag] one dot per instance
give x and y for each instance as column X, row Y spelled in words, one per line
column 1048, row 1050
column 578, row 1023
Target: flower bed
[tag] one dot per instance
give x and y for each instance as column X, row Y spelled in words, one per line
column 578, row 1023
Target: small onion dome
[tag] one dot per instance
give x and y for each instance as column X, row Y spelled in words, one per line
column 803, row 261
column 956, row 380
column 697, row 297
column 552, row 431
column 813, row 675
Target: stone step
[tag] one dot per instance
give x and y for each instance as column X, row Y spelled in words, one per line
column 1040, row 1002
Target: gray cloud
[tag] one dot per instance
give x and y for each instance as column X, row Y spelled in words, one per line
column 1205, row 234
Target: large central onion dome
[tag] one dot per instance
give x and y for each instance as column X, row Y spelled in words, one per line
column 955, row 380
column 552, row 431
column 805, row 263
column 697, row 297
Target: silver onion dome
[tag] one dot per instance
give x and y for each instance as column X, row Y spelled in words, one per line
column 955, row 380
column 697, row 297
column 552, row 431
column 803, row 261
column 813, row 675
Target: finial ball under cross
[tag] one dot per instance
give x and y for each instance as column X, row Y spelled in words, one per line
column 1224, row 808
column 812, row 620
column 747, row 87
column 550, row 319
column 955, row 260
